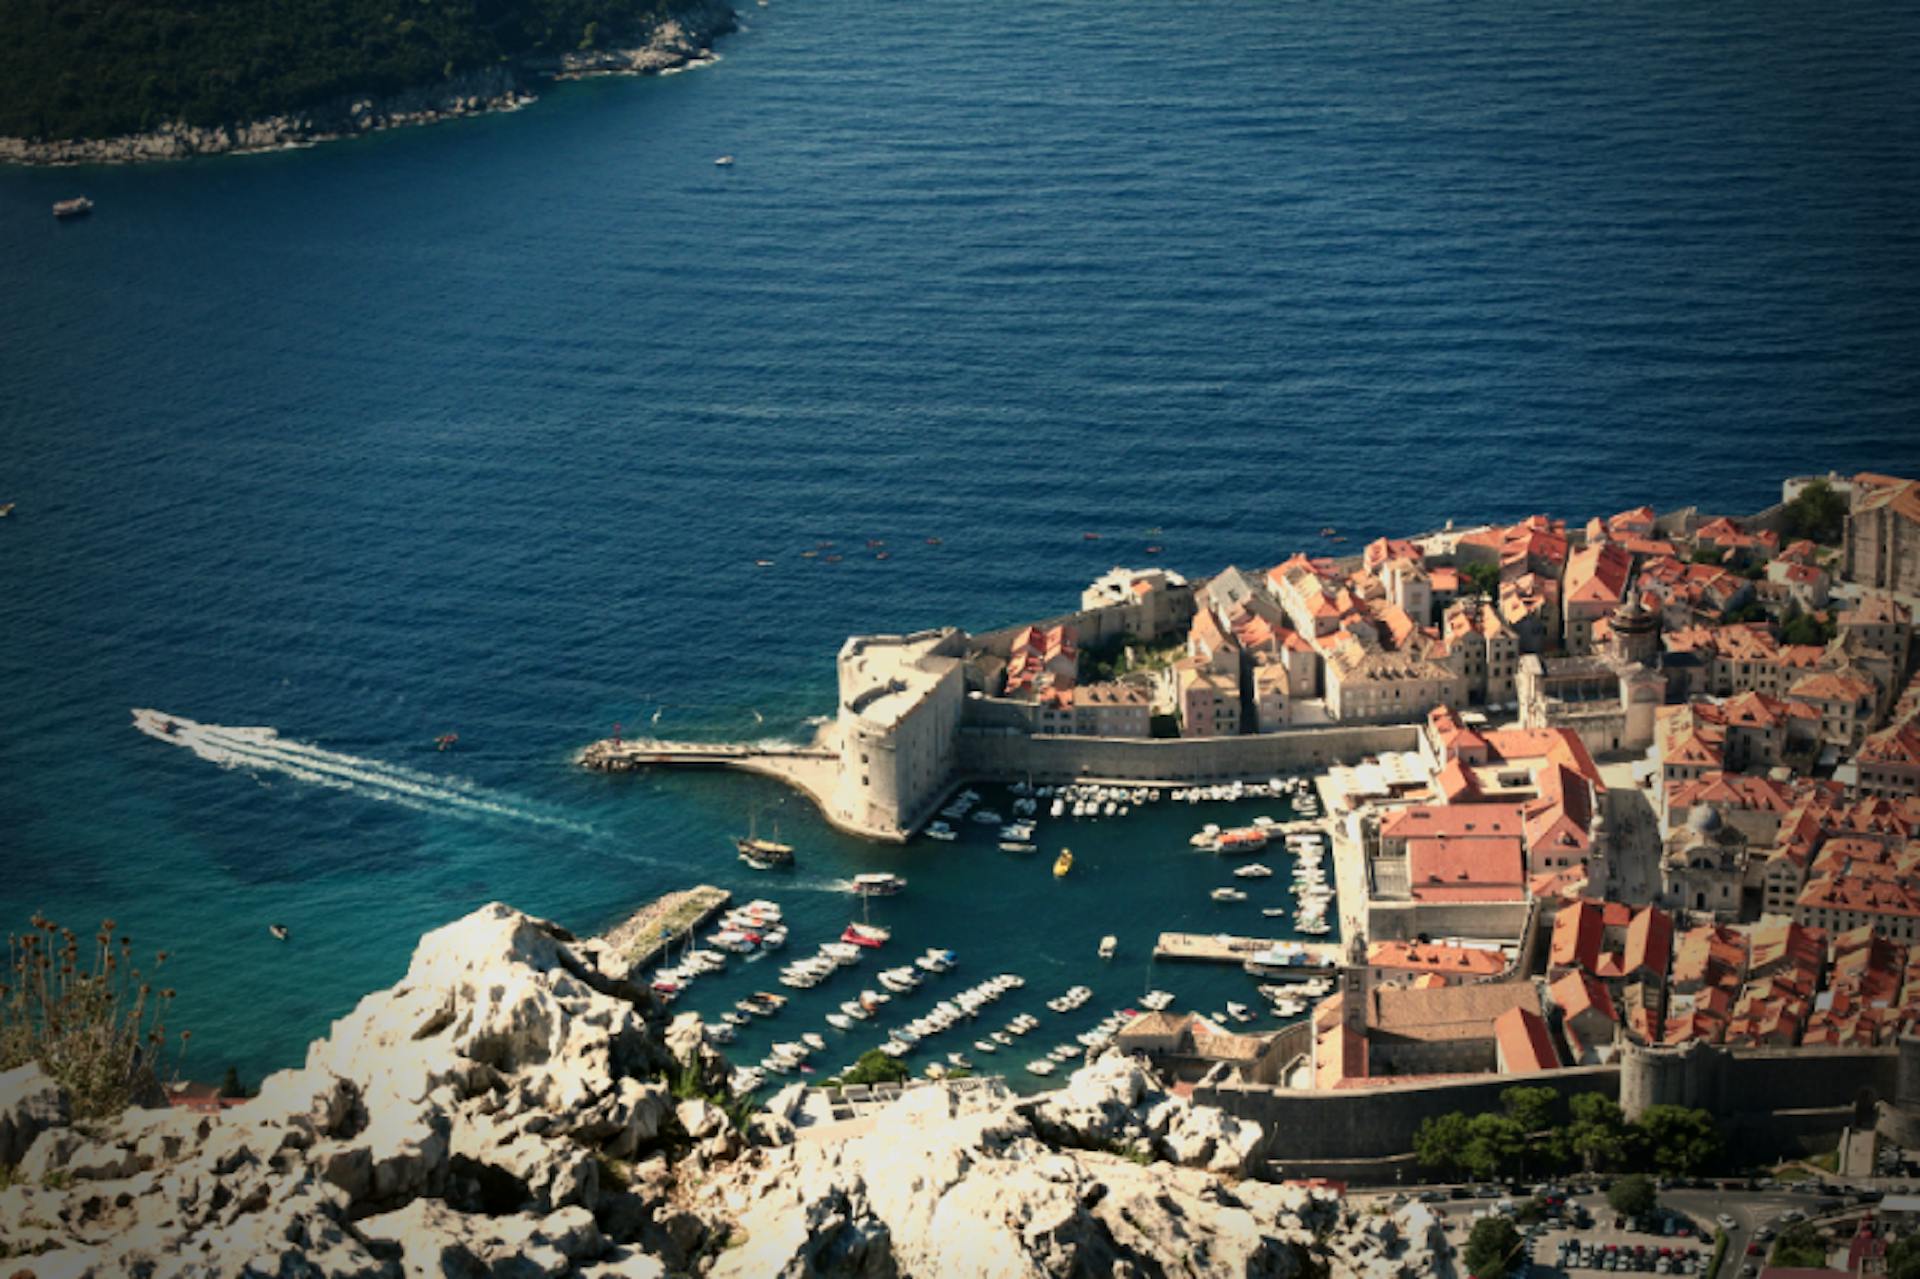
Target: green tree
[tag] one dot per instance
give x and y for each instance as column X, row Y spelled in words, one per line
column 1804, row 628
column 1903, row 1259
column 1597, row 1134
column 1680, row 1140
column 1438, row 1140
column 1491, row 1247
column 1633, row 1194
column 1818, row 513
column 1494, row 1143
column 1534, row 1109
column 1800, row 1245
column 875, row 1067
column 1480, row 579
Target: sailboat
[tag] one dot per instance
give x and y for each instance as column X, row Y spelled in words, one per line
column 762, row 854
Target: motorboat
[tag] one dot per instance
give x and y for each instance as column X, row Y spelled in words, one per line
column 1063, row 863
column 279, row 931
column 78, row 207
column 813, row 1040
column 723, row 162
column 867, row 936
column 1239, row 1012
column 940, row 830
column 1017, row 846
column 1228, row 895
column 1108, row 945
column 1156, row 1000
column 1040, row 1066
column 1253, row 870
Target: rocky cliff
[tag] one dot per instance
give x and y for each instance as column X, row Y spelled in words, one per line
column 509, row 1109
column 676, row 42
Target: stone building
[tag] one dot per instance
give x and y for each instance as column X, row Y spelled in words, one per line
column 899, row 716
column 1882, row 547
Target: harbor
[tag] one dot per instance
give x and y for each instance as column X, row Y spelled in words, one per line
column 975, row 950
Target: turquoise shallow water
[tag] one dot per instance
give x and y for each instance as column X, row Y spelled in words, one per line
column 481, row 427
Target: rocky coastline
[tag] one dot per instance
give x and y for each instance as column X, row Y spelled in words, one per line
column 516, row 1106
column 684, row 41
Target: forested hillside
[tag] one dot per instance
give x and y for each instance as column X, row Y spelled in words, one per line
column 96, row 68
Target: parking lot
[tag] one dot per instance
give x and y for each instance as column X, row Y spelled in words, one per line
column 1581, row 1233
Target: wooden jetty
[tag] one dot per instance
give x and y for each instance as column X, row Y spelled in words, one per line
column 665, row 922
column 1222, row 948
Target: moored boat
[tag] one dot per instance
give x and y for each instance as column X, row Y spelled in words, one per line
column 78, row 207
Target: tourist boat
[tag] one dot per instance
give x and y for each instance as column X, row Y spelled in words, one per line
column 870, row 936
column 763, row 854
column 1243, row 839
column 1108, row 945
column 1063, row 863
column 1253, row 870
column 1227, row 895
column 78, row 207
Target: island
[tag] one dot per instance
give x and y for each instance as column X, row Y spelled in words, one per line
column 163, row 79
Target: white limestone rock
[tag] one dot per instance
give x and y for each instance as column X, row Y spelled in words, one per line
column 30, row 1104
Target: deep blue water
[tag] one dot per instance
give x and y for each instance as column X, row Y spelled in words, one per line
column 481, row 427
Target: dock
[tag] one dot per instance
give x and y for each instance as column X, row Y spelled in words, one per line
column 1221, row 948
column 665, row 922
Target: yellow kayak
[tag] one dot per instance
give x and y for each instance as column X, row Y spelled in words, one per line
column 1063, row 863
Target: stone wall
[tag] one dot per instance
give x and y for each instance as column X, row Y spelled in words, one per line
column 1376, row 1123
column 1404, row 921
column 990, row 754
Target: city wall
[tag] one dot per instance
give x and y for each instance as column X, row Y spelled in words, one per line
column 992, row 754
column 1404, row 921
column 1767, row 1101
column 1377, row 1123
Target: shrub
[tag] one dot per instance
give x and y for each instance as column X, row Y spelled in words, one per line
column 91, row 1019
column 875, row 1067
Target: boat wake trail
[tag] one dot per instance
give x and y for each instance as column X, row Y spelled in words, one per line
column 264, row 750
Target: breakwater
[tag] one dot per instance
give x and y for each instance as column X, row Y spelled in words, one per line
column 664, row 922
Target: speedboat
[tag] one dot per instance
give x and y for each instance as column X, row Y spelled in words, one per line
column 869, row 936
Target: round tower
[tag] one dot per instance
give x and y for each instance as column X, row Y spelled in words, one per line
column 1636, row 633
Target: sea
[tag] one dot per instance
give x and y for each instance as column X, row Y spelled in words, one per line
column 483, row 428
